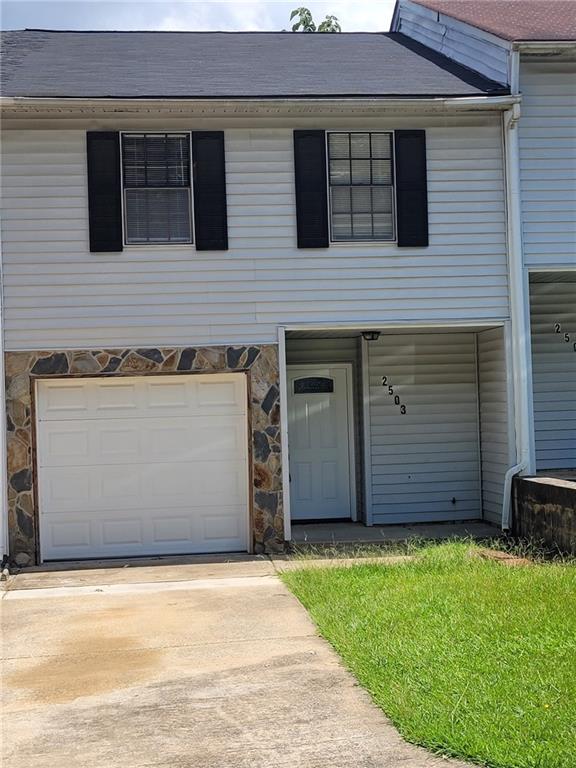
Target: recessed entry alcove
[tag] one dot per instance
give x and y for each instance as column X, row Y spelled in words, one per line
column 413, row 426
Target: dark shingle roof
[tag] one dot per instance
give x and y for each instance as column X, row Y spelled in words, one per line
column 520, row 20
column 40, row 63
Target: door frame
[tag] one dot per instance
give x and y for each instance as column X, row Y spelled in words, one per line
column 349, row 368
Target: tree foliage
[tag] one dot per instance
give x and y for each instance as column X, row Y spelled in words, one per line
column 305, row 22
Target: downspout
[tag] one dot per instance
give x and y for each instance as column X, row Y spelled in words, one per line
column 519, row 311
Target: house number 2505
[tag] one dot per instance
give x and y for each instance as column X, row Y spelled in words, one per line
column 567, row 338
column 391, row 393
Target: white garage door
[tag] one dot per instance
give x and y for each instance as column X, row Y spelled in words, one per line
column 142, row 466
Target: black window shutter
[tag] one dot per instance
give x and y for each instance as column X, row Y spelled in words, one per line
column 104, row 191
column 210, row 215
column 311, row 189
column 411, row 188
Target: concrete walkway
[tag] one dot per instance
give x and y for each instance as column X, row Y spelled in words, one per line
column 137, row 668
column 357, row 533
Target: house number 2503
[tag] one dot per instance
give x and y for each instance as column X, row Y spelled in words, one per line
column 397, row 402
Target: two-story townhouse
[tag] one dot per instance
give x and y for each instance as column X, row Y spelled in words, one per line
column 531, row 46
column 250, row 280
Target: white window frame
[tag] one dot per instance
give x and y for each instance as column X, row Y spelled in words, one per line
column 368, row 241
column 189, row 243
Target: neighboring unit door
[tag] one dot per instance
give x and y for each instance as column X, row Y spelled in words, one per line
column 148, row 465
column 319, row 440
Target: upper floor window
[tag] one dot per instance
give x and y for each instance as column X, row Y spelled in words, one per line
column 361, row 181
column 157, row 188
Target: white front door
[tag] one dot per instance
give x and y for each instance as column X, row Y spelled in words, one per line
column 150, row 465
column 319, row 441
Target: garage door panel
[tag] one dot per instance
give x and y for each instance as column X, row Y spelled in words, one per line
column 69, row 535
column 173, row 529
column 65, row 489
column 206, row 483
column 66, row 443
column 122, row 531
column 221, row 527
column 206, row 438
column 117, row 443
column 113, row 398
column 61, row 402
column 175, row 394
column 119, row 535
column 138, row 483
column 142, row 397
column 90, row 489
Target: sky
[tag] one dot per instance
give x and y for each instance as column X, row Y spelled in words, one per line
column 170, row 15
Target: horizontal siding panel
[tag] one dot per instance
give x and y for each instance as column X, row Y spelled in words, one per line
column 393, row 482
column 554, row 373
column 548, row 162
column 58, row 294
column 493, row 398
column 429, row 455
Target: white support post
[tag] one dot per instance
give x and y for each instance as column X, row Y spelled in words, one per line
column 284, row 433
column 366, row 434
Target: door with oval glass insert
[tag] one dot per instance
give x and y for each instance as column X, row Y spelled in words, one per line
column 319, row 401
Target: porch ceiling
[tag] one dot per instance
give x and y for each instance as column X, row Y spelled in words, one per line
column 554, row 276
column 347, row 333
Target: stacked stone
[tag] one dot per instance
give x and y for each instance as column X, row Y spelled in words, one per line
column 261, row 364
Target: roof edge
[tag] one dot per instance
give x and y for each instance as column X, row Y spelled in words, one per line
column 440, row 102
column 384, row 32
column 505, row 38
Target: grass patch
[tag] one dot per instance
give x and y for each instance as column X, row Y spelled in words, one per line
column 468, row 657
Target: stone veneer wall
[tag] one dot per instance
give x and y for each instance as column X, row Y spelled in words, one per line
column 22, row 368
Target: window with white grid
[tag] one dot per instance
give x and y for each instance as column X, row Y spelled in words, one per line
column 157, row 188
column 361, row 180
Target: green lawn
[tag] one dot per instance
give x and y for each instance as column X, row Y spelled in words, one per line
column 468, row 657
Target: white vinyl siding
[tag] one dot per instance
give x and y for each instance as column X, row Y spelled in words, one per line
column 59, row 295
column 472, row 47
column 423, row 460
column 548, row 162
column 554, row 373
column 495, row 444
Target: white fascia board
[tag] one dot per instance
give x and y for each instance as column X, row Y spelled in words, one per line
column 551, row 50
column 251, row 107
column 546, row 46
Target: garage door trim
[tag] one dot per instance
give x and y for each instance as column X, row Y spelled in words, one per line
column 243, row 462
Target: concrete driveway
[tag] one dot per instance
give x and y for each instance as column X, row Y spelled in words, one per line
column 183, row 666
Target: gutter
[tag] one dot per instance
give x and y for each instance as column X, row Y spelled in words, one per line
column 544, row 45
column 519, row 306
column 443, row 103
